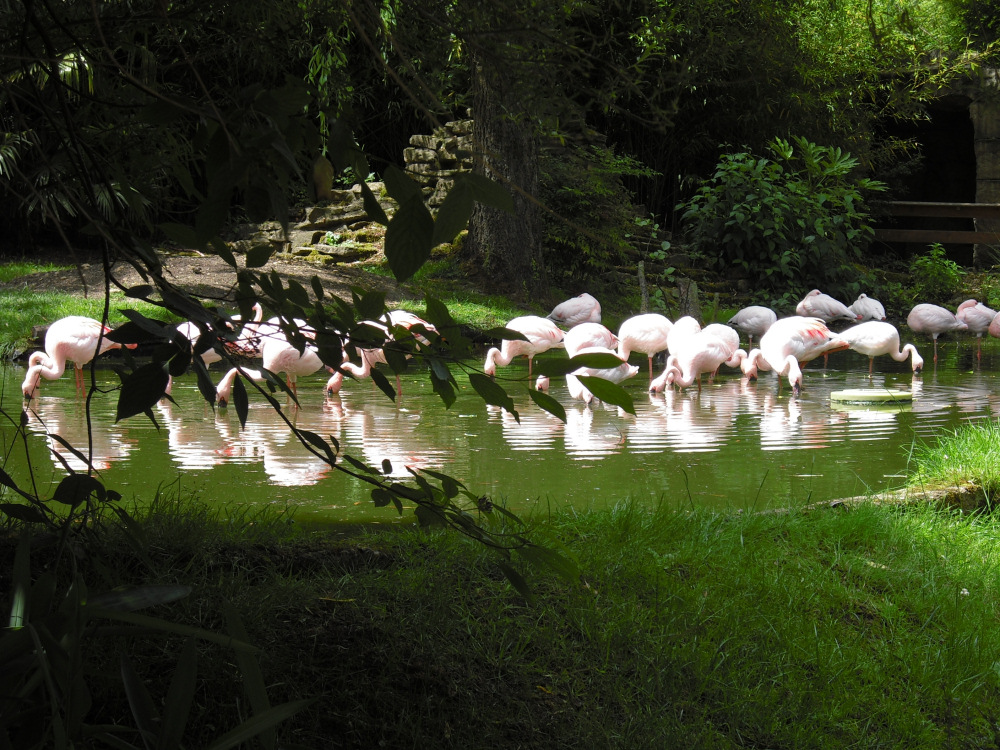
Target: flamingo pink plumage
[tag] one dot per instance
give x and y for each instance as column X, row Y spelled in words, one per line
column 70, row 339
column 823, row 306
column 541, row 334
column 933, row 320
column 584, row 335
column 753, row 321
column 875, row 338
column 697, row 354
column 622, row 372
column 580, row 309
column 797, row 339
column 977, row 317
column 646, row 333
column 279, row 355
column 867, row 308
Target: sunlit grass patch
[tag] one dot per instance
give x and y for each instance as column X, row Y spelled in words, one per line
column 970, row 453
column 10, row 271
column 22, row 309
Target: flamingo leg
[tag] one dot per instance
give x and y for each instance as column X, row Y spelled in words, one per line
column 935, row 349
column 399, row 387
column 871, row 364
column 650, row 359
column 78, row 373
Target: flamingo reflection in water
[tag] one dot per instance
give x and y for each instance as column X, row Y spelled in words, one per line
column 68, row 419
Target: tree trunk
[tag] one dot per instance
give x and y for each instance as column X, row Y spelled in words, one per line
column 507, row 246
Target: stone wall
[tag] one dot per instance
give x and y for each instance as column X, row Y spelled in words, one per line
column 434, row 160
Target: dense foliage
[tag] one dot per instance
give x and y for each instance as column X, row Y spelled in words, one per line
column 789, row 223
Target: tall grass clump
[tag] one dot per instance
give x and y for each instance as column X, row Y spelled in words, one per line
column 970, row 453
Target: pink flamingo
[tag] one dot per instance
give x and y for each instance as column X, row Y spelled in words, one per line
column 541, row 334
column 71, row 339
column 579, row 309
column 876, row 338
column 823, row 306
column 683, row 328
column 622, row 372
column 584, row 335
column 797, row 339
column 697, row 354
column 279, row 355
column 731, row 339
column 753, row 363
column 933, row 320
column 994, row 329
column 977, row 317
column 867, row 308
column 753, row 321
column 646, row 333
column 394, row 319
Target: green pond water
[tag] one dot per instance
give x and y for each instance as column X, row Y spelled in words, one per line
column 733, row 445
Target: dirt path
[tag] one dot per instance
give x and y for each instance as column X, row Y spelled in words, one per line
column 208, row 277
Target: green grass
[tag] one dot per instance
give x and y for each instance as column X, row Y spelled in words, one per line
column 10, row 271
column 972, row 452
column 868, row 627
column 21, row 310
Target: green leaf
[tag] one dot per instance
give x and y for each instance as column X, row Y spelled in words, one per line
column 141, row 390
column 408, row 238
column 240, row 401
column 258, row 724
column 517, row 581
column 489, row 192
column 253, row 678
column 608, row 392
column 493, row 393
column 453, row 215
column 76, row 488
column 549, row 404
column 381, row 497
column 24, row 513
column 139, row 700
column 177, row 708
column 400, row 187
column 259, row 255
column 372, row 207
column 383, row 384
column 140, row 597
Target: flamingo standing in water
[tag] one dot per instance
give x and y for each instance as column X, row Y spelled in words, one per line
column 580, row 309
column 933, row 320
column 541, row 334
column 797, row 339
column 753, row 321
column 867, row 308
column 696, row 354
column 71, row 339
column 279, row 355
column 977, row 317
column 876, row 338
column 394, row 319
column 646, row 333
column 624, row 371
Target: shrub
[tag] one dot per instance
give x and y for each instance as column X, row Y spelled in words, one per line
column 935, row 277
column 796, row 221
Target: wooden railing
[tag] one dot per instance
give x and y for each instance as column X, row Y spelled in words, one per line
column 924, row 209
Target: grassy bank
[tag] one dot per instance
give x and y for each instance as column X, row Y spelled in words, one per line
column 867, row 627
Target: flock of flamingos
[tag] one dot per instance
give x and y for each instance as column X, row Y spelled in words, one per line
column 782, row 344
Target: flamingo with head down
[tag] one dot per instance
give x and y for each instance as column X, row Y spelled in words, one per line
column 71, row 339
column 826, row 308
column 279, row 355
column 541, row 334
column 797, row 339
column 875, row 338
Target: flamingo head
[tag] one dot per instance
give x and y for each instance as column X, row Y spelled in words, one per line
column 542, row 384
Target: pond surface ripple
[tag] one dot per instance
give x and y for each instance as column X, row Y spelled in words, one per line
column 733, row 444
